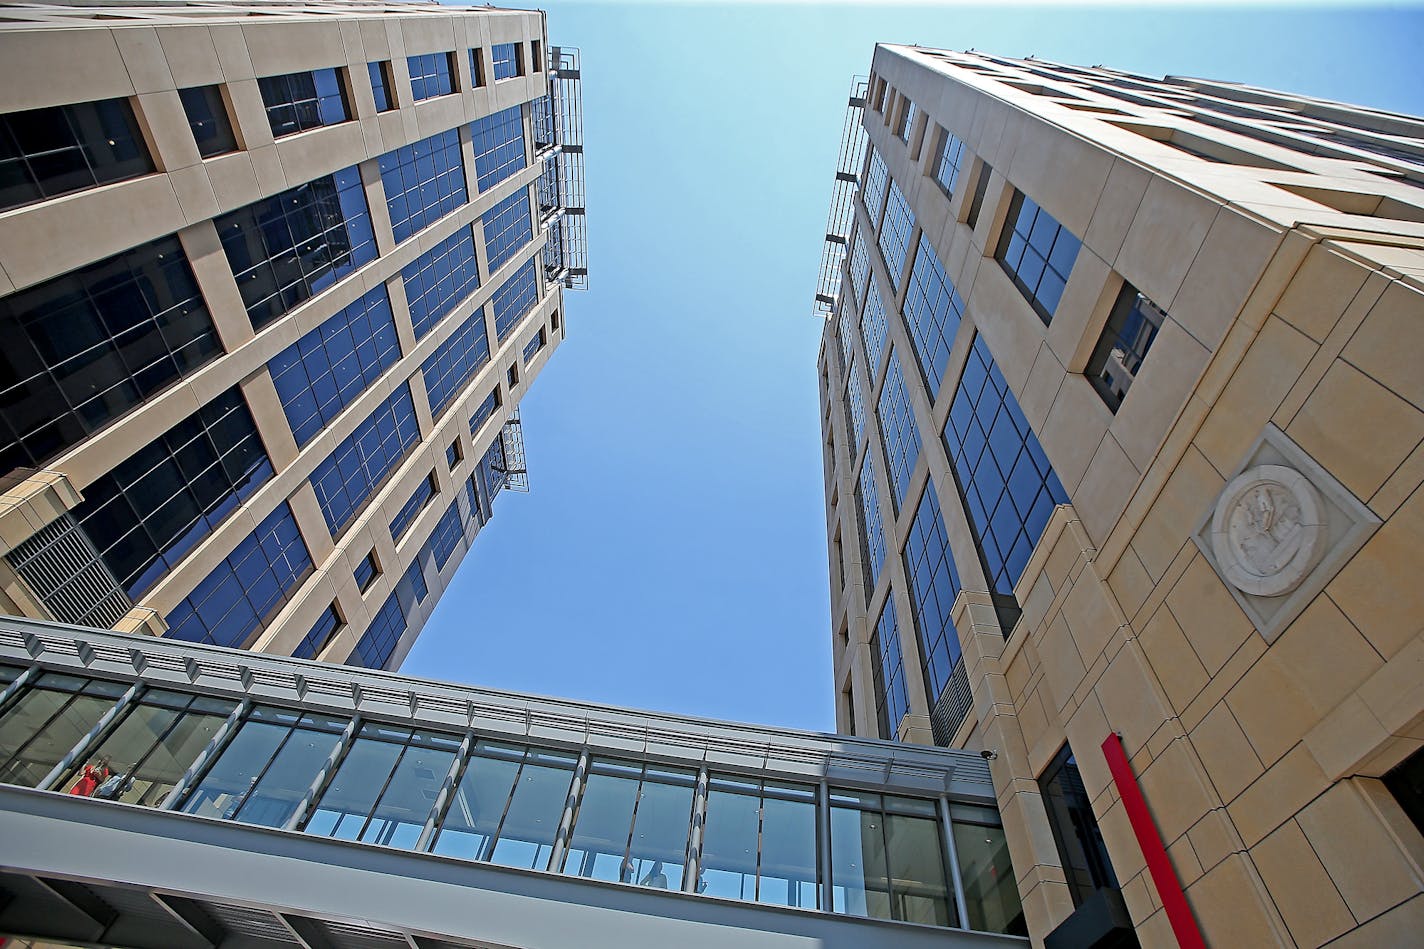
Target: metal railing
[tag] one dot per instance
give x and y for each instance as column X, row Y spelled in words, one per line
column 848, row 164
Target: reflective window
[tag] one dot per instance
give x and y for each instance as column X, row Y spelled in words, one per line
column 876, row 178
column 320, row 635
column 991, row 894
column 855, row 399
column 347, row 478
column 424, row 181
column 431, row 74
column 454, row 362
column 149, row 748
column 484, row 411
column 906, row 125
column 207, row 117
column 933, row 309
column 327, row 369
column 934, row 583
column 887, row 860
column 270, row 764
column 477, row 66
column 632, row 824
column 48, row 152
column 897, row 429
column 1080, row 843
column 531, row 348
column 872, row 533
column 1037, row 253
column 300, row 101
column 895, row 234
column 873, row 329
column 508, row 806
column 514, row 299
column 542, row 121
column 378, row 643
column 1130, row 331
column 949, row 161
column 242, row 594
column 147, row 512
column 1009, row 487
column 453, row 454
column 382, row 87
column 505, row 59
column 440, row 279
column 759, row 842
column 508, row 228
column 46, row 720
column 845, row 332
column 492, row 473
column 291, row 246
column 981, row 188
column 892, row 701
column 366, row 571
column 386, row 787
column 82, row 349
column 446, row 535
column 414, row 504
column 859, row 266
column 499, row 146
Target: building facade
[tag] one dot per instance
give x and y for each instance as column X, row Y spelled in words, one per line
column 273, row 280
column 1124, row 417
column 167, row 795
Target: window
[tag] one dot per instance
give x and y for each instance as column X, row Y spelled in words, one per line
column 949, row 160
column 1406, row 782
column 934, row 584
column 991, row 894
column 892, row 701
column 845, row 331
column 328, row 368
column 453, row 454
column 1037, row 253
column 546, row 187
column 431, row 75
column 64, row 148
column 347, row 478
column 386, row 787
column 378, row 643
column 366, row 572
column 632, row 824
column 382, row 85
column 897, row 427
column 424, row 181
column 906, row 123
column 455, row 362
column 506, row 60
column 290, row 247
column 146, row 513
column 48, row 719
column 513, row 376
column 876, row 178
column 446, row 535
column 83, row 349
column 1075, row 829
column 1131, row 328
column 484, row 411
column 492, row 473
column 267, row 768
column 855, row 403
column 859, row 266
column 477, row 66
column 207, row 117
column 533, row 346
column 895, row 234
column 1009, row 487
column 411, row 509
column 933, row 310
column 242, row 594
column 508, row 228
column 759, row 842
column 512, row 301
column 320, row 635
column 440, row 279
column 536, row 55
column 872, row 533
column 872, row 330
column 499, row 146
column 299, row 101
column 981, row 188
column 887, row 861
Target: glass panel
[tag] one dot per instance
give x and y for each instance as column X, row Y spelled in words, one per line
column 230, row 778
column 349, row 798
column 660, row 829
column 476, row 809
column 599, row 842
column 526, row 838
column 275, row 796
column 991, row 894
column 859, row 884
column 729, row 845
column 916, row 863
column 406, row 803
column 45, row 723
column 789, row 875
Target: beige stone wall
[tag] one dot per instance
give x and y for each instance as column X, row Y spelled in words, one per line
column 1289, row 304
column 147, row 64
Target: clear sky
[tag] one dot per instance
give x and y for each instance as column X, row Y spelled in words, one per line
column 671, row 554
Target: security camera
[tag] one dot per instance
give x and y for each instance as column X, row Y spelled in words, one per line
column 989, row 754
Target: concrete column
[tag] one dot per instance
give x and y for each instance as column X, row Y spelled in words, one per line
column 211, row 269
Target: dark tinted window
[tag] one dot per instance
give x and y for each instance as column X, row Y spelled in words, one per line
column 891, row 700
column 207, row 117
column 413, row 506
column 933, row 309
column 1075, row 829
column 934, row 583
column 347, row 478
column 381, row 85
column 300, row 101
column 1131, row 328
column 366, row 571
column 64, row 148
column 1037, row 253
column 320, row 634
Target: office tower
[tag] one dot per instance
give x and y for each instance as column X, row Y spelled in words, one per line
column 1124, row 420
column 273, row 280
column 168, row 795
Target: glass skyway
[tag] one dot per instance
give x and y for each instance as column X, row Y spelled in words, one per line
column 321, row 775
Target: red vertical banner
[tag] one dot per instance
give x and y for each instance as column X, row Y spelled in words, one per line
column 1154, row 851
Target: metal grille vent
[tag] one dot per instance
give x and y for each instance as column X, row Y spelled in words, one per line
column 63, row 569
column 952, row 708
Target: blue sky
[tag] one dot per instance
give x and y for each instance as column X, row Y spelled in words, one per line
column 672, row 552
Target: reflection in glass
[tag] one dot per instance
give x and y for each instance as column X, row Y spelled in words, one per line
column 632, row 825
column 759, row 843
column 887, row 860
column 526, row 838
column 46, row 721
column 991, row 894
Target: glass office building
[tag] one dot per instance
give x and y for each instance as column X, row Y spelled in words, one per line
column 1120, row 445
column 276, row 278
column 275, row 796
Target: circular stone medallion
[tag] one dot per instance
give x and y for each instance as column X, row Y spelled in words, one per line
column 1268, row 530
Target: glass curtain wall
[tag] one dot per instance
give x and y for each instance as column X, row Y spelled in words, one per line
column 886, row 859
column 759, row 842
column 632, row 824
